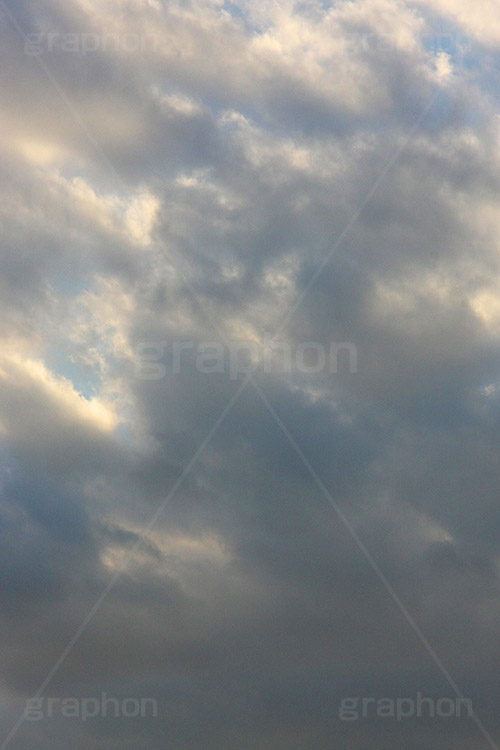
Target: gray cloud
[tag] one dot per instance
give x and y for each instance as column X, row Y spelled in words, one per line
column 192, row 188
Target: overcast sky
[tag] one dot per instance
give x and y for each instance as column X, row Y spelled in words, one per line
column 183, row 184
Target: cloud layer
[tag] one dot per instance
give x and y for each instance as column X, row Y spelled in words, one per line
column 213, row 172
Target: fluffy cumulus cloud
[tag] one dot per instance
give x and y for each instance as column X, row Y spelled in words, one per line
column 249, row 374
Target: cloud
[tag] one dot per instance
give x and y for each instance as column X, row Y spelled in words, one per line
column 178, row 173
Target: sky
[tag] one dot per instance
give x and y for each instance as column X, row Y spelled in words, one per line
column 249, row 374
